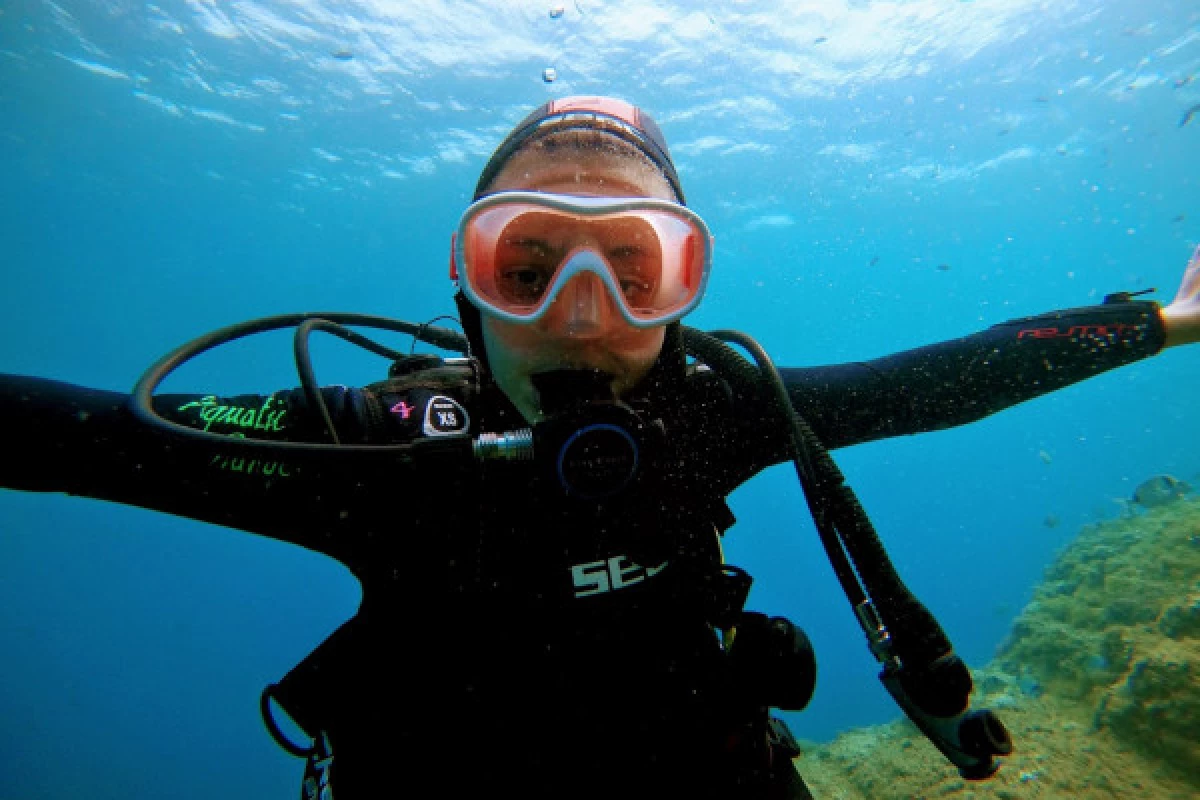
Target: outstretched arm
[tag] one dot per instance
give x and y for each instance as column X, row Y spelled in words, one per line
column 963, row 380
column 64, row 438
column 966, row 379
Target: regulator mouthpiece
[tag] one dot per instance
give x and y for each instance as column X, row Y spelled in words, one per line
column 565, row 390
column 593, row 441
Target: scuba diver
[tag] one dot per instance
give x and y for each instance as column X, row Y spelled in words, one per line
column 536, row 523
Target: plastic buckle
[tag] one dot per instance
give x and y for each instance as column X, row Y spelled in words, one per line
column 781, row 739
column 316, row 771
column 731, row 587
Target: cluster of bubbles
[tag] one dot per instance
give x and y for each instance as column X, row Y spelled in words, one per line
column 550, row 74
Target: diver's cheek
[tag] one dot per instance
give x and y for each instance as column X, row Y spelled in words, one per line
column 515, row 342
column 509, row 350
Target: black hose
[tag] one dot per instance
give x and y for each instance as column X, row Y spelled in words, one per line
column 857, row 555
column 308, row 379
column 710, row 349
column 142, row 401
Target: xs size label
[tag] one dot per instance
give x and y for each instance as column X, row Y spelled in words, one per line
column 445, row 417
column 610, row 574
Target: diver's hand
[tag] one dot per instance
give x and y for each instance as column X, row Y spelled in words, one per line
column 1182, row 318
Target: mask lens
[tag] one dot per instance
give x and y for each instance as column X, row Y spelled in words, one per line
column 518, row 255
column 525, row 258
column 680, row 261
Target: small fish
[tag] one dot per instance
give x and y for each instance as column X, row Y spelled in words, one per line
column 1159, row 491
column 1051, row 521
column 1180, row 218
column 821, row 40
column 557, row 11
column 943, row 267
column 549, row 75
column 342, row 55
column 1189, row 115
column 1045, row 457
column 1179, row 83
column 874, row 260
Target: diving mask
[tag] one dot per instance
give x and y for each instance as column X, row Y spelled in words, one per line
column 515, row 252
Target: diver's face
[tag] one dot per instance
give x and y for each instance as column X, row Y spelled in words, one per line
column 562, row 339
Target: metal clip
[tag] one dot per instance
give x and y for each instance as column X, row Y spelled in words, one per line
column 879, row 638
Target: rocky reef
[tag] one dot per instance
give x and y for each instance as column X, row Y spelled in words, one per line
column 1098, row 683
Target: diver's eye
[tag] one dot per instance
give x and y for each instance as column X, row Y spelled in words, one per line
column 523, row 284
column 637, row 292
column 630, row 264
column 524, row 267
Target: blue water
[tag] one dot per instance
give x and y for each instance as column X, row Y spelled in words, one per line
column 927, row 169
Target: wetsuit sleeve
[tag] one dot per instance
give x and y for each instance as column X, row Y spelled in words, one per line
column 963, row 380
column 64, row 438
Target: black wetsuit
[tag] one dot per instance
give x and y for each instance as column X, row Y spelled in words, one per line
column 510, row 639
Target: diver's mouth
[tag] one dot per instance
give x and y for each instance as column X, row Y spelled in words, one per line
column 560, row 390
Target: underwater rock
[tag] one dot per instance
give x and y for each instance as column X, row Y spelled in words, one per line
column 1098, row 682
column 1126, row 642
column 1182, row 621
column 1156, row 706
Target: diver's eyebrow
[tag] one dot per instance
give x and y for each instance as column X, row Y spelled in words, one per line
column 530, row 242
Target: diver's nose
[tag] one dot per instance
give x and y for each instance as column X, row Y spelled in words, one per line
column 583, row 306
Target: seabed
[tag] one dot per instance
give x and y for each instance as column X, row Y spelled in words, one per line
column 1098, row 683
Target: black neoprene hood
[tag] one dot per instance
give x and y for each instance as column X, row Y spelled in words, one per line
column 606, row 114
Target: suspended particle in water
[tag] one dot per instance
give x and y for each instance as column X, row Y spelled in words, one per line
column 557, row 11
column 549, row 75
